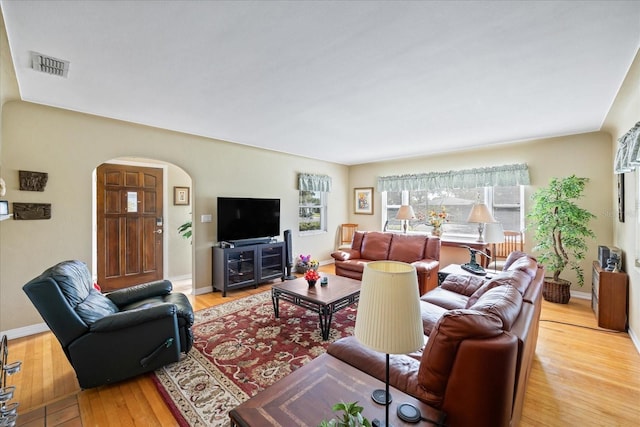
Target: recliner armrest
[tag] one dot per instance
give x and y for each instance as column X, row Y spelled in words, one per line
column 139, row 292
column 126, row 319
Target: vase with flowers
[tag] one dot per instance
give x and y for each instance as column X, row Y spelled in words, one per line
column 305, row 263
column 436, row 218
column 311, row 276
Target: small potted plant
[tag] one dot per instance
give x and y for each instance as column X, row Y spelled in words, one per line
column 352, row 416
column 561, row 228
column 311, row 276
column 305, row 263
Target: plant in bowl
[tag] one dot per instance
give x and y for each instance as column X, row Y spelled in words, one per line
column 561, row 228
column 352, row 416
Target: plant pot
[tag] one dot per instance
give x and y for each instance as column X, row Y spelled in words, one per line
column 311, row 283
column 558, row 292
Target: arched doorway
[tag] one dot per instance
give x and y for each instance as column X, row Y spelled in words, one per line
column 177, row 252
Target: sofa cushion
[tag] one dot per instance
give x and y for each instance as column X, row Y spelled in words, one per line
column 95, row 307
column 516, row 278
column 503, row 302
column 525, row 264
column 445, row 298
column 375, row 246
column 406, row 248
column 463, row 283
column 430, row 313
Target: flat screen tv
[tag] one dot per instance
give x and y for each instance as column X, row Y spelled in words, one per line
column 241, row 218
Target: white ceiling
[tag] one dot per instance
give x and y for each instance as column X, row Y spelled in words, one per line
column 347, row 82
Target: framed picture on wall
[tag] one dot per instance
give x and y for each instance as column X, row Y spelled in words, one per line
column 363, row 200
column 180, row 195
column 621, row 197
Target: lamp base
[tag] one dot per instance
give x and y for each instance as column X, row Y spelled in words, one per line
column 379, row 395
column 377, row 423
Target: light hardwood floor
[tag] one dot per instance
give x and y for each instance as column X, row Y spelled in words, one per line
column 582, row 375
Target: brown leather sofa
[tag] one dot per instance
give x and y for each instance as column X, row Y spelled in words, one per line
column 480, row 340
column 422, row 252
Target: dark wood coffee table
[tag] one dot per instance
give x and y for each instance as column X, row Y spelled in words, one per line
column 305, row 397
column 339, row 293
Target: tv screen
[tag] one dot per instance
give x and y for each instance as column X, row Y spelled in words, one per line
column 242, row 218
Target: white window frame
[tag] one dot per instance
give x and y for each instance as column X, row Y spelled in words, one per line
column 488, row 198
column 323, row 214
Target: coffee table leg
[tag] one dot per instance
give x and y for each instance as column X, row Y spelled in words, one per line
column 325, row 322
column 276, row 304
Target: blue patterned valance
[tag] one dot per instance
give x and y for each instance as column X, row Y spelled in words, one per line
column 628, row 154
column 496, row 176
column 309, row 182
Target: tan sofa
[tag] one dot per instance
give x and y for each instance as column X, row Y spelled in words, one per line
column 422, row 252
column 480, row 342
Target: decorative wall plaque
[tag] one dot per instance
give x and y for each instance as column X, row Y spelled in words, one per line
column 33, row 181
column 31, row 210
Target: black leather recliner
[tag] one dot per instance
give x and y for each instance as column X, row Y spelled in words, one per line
column 108, row 338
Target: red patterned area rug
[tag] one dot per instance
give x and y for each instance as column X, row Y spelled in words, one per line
column 240, row 349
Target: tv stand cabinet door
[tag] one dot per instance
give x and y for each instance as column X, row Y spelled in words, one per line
column 234, row 268
column 271, row 259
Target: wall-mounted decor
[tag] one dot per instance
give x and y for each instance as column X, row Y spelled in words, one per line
column 4, row 207
column 33, row 181
column 31, row 210
column 180, row 195
column 363, row 200
column 621, row 197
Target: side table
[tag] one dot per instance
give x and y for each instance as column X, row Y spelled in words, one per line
column 305, row 397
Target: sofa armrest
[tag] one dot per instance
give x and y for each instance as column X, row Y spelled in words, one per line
column 426, row 264
column 346, row 254
column 403, row 369
column 127, row 319
column 130, row 295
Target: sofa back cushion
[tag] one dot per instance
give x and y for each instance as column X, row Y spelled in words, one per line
column 406, row 248
column 504, row 302
column 375, row 245
column 516, row 278
column 358, row 236
column 526, row 264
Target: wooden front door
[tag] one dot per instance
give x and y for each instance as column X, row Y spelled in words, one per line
column 129, row 225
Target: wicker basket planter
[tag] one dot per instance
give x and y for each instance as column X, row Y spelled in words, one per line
column 558, row 292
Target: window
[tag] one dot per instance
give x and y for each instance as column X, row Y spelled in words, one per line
column 312, row 212
column 506, row 204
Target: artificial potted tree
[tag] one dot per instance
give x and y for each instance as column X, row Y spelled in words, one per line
column 561, row 228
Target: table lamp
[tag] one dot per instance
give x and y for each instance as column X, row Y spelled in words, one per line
column 480, row 213
column 388, row 318
column 493, row 233
column 405, row 213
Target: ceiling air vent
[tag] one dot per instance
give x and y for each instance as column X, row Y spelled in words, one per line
column 49, row 65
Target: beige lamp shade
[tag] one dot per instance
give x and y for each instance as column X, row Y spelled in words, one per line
column 388, row 318
column 480, row 213
column 493, row 233
column 405, row 212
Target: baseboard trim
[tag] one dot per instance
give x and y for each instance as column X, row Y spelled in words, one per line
column 581, row 295
column 25, row 331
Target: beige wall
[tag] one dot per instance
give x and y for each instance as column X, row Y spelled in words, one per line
column 623, row 115
column 69, row 146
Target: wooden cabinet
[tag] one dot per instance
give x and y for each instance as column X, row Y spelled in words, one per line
column 609, row 298
column 235, row 268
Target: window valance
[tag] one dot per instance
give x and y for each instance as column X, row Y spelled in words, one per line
column 628, row 153
column 496, row 176
column 310, row 182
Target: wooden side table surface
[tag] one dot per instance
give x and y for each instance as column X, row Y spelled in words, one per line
column 306, row 396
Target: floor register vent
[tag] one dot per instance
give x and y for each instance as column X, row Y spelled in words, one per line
column 49, row 64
